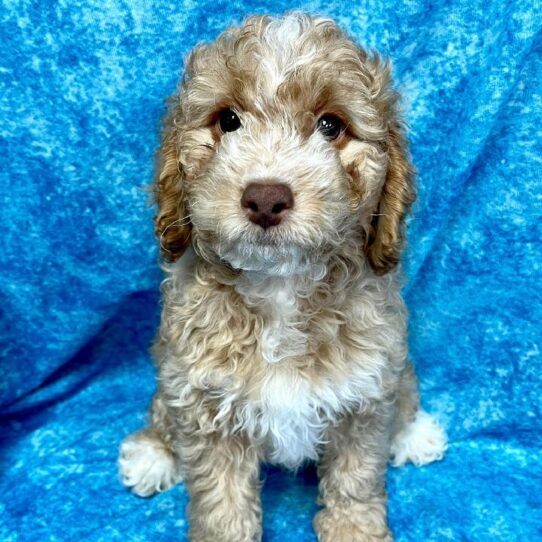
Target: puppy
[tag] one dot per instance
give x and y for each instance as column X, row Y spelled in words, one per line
column 284, row 179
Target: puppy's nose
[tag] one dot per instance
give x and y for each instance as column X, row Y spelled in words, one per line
column 267, row 203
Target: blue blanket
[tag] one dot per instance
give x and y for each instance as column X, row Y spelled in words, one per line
column 82, row 86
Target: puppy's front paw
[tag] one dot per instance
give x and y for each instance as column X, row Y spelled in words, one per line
column 146, row 466
column 338, row 526
column 422, row 441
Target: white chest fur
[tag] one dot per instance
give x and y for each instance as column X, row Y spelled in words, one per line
column 291, row 413
column 288, row 418
column 289, row 410
column 284, row 413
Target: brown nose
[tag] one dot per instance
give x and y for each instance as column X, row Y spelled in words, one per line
column 267, row 202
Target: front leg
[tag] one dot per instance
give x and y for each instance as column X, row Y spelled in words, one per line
column 222, row 479
column 352, row 477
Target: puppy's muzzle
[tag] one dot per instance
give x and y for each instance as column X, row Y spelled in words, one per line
column 267, row 203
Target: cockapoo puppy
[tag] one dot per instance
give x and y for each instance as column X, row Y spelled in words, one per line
column 284, row 179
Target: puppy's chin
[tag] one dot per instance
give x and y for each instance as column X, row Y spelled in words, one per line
column 268, row 259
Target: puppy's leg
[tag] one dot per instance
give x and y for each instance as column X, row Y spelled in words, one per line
column 147, row 460
column 222, row 478
column 352, row 475
column 417, row 436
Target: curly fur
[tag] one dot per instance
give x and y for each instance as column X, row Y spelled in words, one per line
column 288, row 344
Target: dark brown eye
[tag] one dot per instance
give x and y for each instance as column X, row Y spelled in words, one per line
column 330, row 126
column 229, row 121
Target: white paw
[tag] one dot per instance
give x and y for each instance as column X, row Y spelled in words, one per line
column 146, row 466
column 420, row 442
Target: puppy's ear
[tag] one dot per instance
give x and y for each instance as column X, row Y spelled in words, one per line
column 387, row 229
column 171, row 223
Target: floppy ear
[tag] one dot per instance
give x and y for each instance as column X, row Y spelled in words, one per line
column 171, row 223
column 387, row 230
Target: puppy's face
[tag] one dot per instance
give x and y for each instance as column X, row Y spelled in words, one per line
column 283, row 143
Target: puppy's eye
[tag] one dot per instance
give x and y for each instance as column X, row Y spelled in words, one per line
column 330, row 126
column 229, row 121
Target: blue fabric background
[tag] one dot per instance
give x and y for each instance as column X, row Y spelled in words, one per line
column 82, row 85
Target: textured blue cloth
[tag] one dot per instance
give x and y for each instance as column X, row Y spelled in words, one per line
column 82, row 85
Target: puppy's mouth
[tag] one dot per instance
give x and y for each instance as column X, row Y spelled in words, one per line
column 273, row 236
column 271, row 251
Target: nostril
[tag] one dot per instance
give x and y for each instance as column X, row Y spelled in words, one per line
column 278, row 208
column 252, row 205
